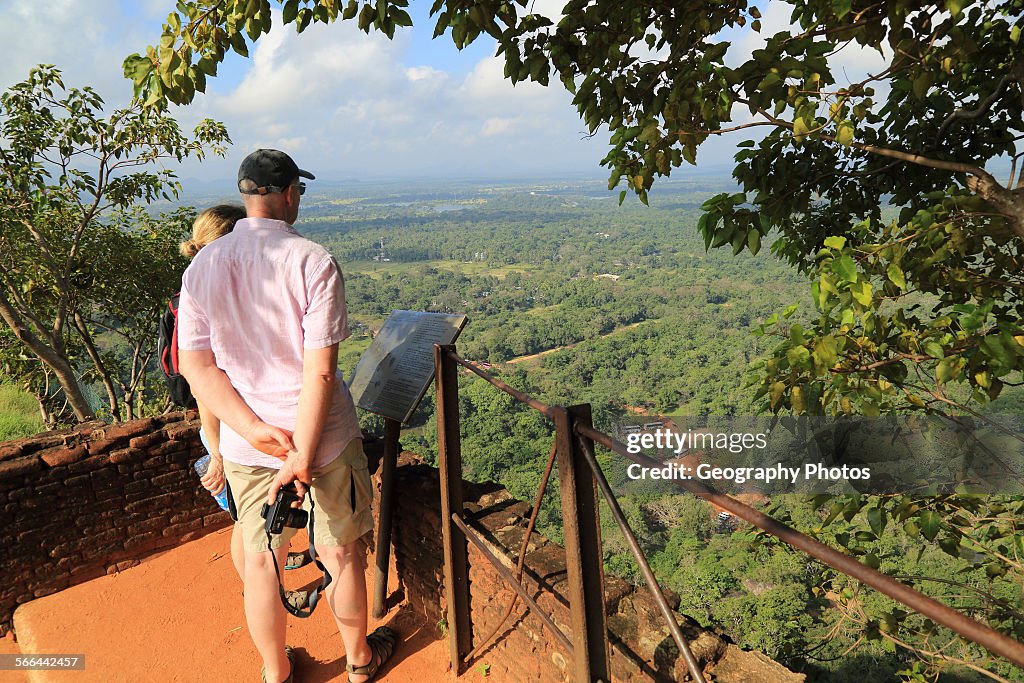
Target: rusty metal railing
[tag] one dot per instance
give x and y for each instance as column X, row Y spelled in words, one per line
column 580, row 476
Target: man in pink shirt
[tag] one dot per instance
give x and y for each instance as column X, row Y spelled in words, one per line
column 261, row 313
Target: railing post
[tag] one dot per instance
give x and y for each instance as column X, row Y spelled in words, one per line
column 388, row 463
column 582, row 529
column 449, row 464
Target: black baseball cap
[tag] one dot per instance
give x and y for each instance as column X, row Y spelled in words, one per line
column 268, row 170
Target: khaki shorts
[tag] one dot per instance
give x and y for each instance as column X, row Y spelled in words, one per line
column 341, row 493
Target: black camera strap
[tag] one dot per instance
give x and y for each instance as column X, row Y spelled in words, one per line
column 307, row 607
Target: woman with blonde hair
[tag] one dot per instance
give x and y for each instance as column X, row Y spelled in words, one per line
column 212, row 224
column 215, row 222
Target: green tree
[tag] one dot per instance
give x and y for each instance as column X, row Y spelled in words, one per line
column 919, row 135
column 79, row 262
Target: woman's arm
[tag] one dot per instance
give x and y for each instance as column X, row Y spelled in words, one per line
column 213, row 481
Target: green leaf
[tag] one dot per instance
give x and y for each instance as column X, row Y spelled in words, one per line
column 895, row 274
column 303, row 18
column 754, row 241
column 876, row 520
column 861, row 292
column 954, row 7
column 798, row 356
column 844, row 135
column 950, row 546
column 800, row 128
column 933, row 349
column 835, row 242
column 930, row 523
column 826, row 351
column 796, row 400
column 400, row 17
column 845, row 268
column 921, row 84
column 291, row 9
column 948, row 368
column 238, row 44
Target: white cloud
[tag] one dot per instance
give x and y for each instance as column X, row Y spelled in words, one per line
column 345, row 103
column 486, row 87
column 75, row 35
column 496, row 126
column 351, row 105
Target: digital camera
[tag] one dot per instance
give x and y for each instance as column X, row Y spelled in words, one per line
column 281, row 514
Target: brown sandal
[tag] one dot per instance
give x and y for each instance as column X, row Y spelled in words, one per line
column 382, row 645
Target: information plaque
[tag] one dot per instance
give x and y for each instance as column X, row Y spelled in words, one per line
column 395, row 371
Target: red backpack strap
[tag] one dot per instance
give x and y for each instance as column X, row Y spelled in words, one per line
column 173, row 305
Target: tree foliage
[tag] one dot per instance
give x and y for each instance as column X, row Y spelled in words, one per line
column 913, row 305
column 84, row 271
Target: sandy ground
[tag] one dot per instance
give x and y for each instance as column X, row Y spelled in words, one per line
column 178, row 617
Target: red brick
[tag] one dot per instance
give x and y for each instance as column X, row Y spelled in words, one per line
column 147, row 440
column 174, row 480
column 127, row 429
column 63, row 455
column 183, row 432
column 41, row 441
column 126, row 454
column 103, row 445
column 176, row 416
column 169, row 447
column 11, row 449
column 90, row 464
column 19, row 466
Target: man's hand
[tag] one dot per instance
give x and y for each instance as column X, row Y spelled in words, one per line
column 269, row 439
column 295, row 469
column 213, row 481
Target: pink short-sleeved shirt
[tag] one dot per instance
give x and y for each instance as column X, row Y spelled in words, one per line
column 257, row 298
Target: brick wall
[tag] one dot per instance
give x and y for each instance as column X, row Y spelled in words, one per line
column 642, row 648
column 82, row 503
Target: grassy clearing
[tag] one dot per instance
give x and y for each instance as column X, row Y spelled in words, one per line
column 19, row 414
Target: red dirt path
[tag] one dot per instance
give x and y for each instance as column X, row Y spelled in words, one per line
column 178, row 617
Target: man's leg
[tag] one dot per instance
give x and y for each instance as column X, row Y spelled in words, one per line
column 342, row 493
column 347, row 597
column 264, row 613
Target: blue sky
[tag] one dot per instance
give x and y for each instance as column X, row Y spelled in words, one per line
column 344, row 104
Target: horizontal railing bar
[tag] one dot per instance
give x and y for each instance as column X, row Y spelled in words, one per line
column 645, row 568
column 975, row 631
column 510, row 579
column 514, row 393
